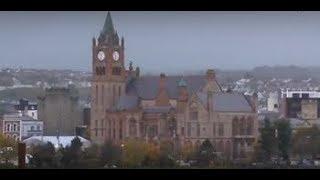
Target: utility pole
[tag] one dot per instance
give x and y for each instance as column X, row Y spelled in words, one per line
column 21, row 155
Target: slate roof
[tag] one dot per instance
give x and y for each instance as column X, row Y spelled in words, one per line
column 227, row 102
column 146, row 87
column 127, row 102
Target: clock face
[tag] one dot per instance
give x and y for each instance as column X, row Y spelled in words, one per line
column 101, row 55
column 115, row 55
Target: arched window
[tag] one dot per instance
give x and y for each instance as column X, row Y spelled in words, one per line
column 97, row 94
column 133, row 127
column 172, row 126
column 235, row 126
column 8, row 127
column 242, row 126
column 38, row 128
column 194, row 115
column 102, row 128
column 198, row 129
column 228, row 148
column 15, row 127
column 249, row 125
column 32, row 128
column 220, row 146
column 113, row 95
column 120, row 129
column 221, row 129
column 102, row 94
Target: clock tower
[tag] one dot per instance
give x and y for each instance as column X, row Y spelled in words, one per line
column 108, row 76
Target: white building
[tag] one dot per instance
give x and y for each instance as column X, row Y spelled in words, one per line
column 273, row 102
column 20, row 126
column 57, row 141
column 27, row 108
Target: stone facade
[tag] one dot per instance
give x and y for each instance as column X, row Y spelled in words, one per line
column 182, row 109
column 60, row 111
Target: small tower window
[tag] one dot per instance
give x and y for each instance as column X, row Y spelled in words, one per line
column 100, row 71
column 97, row 94
column 102, row 94
column 116, row 71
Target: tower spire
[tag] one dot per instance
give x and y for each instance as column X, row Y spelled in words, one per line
column 108, row 27
column 108, row 33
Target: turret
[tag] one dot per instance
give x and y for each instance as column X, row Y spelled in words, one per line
column 183, row 92
column 211, row 75
column 122, row 42
column 137, row 71
column 130, row 66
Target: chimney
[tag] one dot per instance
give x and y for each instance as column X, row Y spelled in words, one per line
column 162, row 82
column 211, row 75
column 254, row 101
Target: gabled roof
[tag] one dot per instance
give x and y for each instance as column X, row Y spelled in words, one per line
column 127, row 102
column 227, row 102
column 146, row 87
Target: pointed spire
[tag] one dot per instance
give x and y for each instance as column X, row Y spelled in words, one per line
column 108, row 27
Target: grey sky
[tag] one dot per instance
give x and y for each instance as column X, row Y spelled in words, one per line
column 163, row 41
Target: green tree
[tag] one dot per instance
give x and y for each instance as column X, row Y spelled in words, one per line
column 8, row 149
column 110, row 154
column 166, row 155
column 284, row 133
column 72, row 155
column 43, row 156
column 91, row 157
column 206, row 154
column 267, row 144
column 134, row 153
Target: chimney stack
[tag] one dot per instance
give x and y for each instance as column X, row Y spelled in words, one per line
column 255, row 101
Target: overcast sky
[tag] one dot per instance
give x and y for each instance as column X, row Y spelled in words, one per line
column 163, row 41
